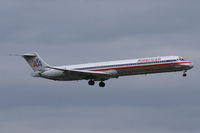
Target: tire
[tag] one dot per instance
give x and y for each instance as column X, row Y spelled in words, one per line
column 91, row 82
column 102, row 84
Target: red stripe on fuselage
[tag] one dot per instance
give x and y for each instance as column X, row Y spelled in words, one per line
column 128, row 67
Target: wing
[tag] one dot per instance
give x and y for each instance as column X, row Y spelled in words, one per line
column 83, row 74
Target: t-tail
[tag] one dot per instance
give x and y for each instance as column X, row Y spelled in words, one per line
column 35, row 62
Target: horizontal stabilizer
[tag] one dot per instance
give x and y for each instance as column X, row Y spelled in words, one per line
column 24, row 55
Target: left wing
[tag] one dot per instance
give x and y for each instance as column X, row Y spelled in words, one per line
column 85, row 74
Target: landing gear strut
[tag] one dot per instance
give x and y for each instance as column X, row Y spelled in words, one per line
column 184, row 74
column 102, row 84
column 91, row 82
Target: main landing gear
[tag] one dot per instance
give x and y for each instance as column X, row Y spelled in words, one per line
column 101, row 84
column 184, row 74
column 91, row 82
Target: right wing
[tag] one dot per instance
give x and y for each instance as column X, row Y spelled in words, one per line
column 85, row 74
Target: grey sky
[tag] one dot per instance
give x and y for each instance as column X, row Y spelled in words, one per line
column 79, row 31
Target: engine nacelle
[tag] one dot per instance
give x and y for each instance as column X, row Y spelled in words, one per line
column 114, row 73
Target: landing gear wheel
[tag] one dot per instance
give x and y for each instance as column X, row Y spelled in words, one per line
column 184, row 73
column 102, row 84
column 91, row 82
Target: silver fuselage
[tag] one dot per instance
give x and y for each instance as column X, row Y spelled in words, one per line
column 122, row 68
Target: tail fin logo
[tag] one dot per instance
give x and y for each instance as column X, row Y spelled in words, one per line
column 37, row 63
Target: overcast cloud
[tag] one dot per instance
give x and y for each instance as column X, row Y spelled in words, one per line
column 80, row 31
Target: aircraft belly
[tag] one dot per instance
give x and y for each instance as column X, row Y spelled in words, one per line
column 149, row 70
column 69, row 77
column 64, row 78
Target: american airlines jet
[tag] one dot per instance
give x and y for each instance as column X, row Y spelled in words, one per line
column 102, row 71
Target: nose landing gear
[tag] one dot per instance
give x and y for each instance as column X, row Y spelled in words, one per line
column 184, row 74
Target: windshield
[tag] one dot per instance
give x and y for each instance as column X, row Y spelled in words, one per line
column 181, row 59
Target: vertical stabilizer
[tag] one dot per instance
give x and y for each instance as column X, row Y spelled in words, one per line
column 35, row 62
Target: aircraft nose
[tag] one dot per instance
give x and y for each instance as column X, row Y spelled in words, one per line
column 191, row 65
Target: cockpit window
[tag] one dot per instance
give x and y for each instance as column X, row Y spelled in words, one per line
column 181, row 59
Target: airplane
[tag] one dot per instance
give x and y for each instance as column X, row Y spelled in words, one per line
column 102, row 71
